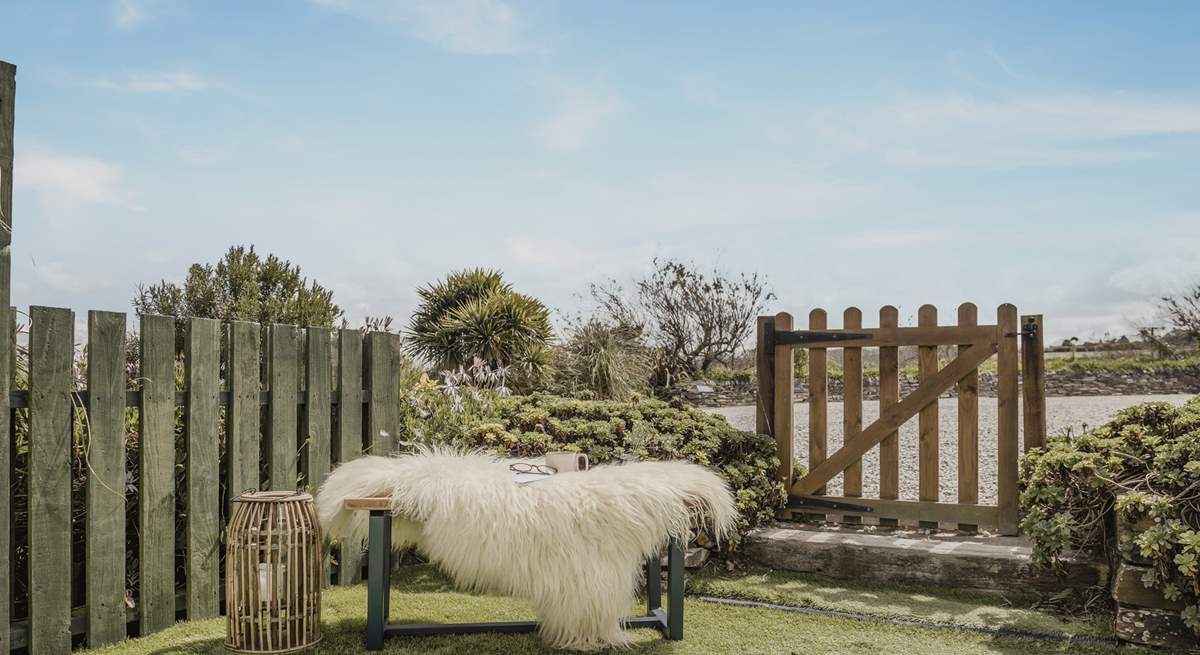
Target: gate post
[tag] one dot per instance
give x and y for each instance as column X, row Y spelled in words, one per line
column 785, row 389
column 764, row 360
column 1033, row 380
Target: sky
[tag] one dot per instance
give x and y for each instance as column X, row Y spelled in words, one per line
column 1044, row 154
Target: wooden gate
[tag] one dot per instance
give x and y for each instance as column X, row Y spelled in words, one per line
column 973, row 344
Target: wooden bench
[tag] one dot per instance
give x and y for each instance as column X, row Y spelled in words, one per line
column 668, row 620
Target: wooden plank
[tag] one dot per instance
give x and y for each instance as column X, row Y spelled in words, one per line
column 156, row 470
column 349, row 434
column 783, row 388
column 927, row 423
column 203, row 468
column 50, row 412
column 367, row 504
column 244, row 415
column 383, row 387
column 968, row 424
column 852, row 405
column 887, row 337
column 282, row 424
column 891, row 419
column 923, row 511
column 8, row 92
column 1033, row 381
column 6, row 367
column 1006, row 418
column 318, row 399
column 889, row 396
column 818, row 398
column 764, row 360
column 105, row 430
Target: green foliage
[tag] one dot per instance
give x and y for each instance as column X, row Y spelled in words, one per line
column 242, row 286
column 600, row 360
column 475, row 314
column 1144, row 465
column 606, row 431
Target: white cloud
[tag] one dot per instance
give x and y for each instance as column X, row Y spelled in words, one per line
column 59, row 278
column 551, row 253
column 157, row 82
column 580, row 113
column 483, row 27
column 128, row 15
column 1018, row 131
column 65, row 182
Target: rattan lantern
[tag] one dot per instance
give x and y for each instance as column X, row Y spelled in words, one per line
column 273, row 574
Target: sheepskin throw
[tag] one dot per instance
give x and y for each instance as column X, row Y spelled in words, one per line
column 573, row 545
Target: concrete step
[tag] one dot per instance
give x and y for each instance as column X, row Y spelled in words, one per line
column 982, row 563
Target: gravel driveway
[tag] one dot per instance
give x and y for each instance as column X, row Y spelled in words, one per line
column 1072, row 413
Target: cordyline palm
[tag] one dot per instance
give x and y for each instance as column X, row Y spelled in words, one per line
column 476, row 314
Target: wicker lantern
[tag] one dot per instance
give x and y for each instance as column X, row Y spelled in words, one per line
column 273, row 574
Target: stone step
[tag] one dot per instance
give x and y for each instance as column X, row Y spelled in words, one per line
column 1001, row 565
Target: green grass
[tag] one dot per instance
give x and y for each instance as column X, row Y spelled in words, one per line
column 946, row 607
column 420, row 594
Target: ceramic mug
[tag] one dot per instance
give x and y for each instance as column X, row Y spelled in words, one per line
column 566, row 462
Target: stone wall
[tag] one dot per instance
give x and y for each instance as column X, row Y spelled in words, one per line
column 1061, row 382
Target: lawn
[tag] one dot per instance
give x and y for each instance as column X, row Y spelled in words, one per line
column 421, row 594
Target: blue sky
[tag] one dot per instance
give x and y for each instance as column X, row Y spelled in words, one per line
column 1044, row 154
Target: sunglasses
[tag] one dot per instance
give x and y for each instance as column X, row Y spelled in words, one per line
column 539, row 469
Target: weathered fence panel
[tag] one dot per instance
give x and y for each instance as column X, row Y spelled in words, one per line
column 105, row 433
column 183, row 402
column 50, row 360
column 156, row 476
column 349, row 435
column 203, row 362
column 974, row 344
column 283, row 369
column 244, row 414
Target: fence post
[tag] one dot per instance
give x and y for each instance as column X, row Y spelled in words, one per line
column 784, row 388
column 8, row 91
column 764, row 408
column 1033, row 380
column 1006, row 418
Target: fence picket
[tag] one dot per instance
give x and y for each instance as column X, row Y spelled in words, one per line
column 6, row 572
column 1007, row 412
column 50, row 411
column 317, row 414
column 852, row 388
column 349, row 434
column 968, row 424
column 284, row 374
column 889, row 395
column 818, row 398
column 105, row 433
column 243, row 417
column 383, row 377
column 203, row 468
column 927, row 421
column 156, row 469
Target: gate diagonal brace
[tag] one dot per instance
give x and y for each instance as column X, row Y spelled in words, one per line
column 806, row 502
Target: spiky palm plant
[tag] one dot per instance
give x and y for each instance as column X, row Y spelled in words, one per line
column 475, row 314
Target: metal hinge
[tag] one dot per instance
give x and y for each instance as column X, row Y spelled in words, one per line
column 806, row 502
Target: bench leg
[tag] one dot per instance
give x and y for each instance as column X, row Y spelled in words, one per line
column 379, row 574
column 653, row 584
column 675, row 591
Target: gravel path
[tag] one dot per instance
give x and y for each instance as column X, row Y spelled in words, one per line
column 1072, row 413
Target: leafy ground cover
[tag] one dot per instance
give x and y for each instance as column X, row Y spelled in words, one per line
column 421, row 594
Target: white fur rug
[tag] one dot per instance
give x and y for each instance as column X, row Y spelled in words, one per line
column 573, row 545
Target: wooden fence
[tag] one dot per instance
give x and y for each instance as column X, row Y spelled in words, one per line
column 104, row 450
column 974, row 344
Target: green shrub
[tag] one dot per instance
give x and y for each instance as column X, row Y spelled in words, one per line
column 1143, row 464
column 606, row 431
column 604, row 361
column 476, row 315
